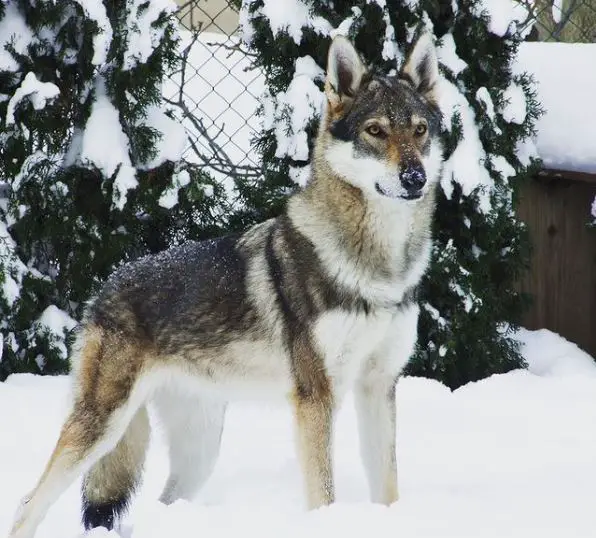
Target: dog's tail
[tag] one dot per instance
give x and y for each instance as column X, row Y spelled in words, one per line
column 103, row 373
column 108, row 486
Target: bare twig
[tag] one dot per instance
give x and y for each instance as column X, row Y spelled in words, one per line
column 217, row 159
column 238, row 47
column 184, row 57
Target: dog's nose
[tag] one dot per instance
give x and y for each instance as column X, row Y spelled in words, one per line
column 412, row 178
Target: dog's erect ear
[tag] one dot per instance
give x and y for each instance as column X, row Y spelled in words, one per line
column 344, row 72
column 421, row 67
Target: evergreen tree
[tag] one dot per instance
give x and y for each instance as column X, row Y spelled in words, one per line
column 469, row 299
column 89, row 161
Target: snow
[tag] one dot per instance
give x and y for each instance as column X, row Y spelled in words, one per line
column 208, row 190
column 39, row 93
column 13, row 268
column 483, row 96
column 515, row 109
column 105, row 145
column 305, row 65
column 549, row 355
column 465, row 165
column 390, row 48
column 169, row 197
column 448, row 57
column 511, row 455
column 291, row 111
column 300, row 174
column 502, row 166
column 291, row 16
column 96, row 11
column 57, row 321
column 30, row 163
column 143, row 36
column 344, row 27
column 172, row 142
column 525, row 151
column 11, row 290
column 566, row 83
column 557, row 10
column 245, row 27
column 13, row 25
column 504, row 14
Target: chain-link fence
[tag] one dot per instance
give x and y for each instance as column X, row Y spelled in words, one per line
column 570, row 21
column 216, row 94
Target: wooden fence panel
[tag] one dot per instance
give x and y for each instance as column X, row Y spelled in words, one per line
column 562, row 278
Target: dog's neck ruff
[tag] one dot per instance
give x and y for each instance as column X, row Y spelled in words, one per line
column 371, row 256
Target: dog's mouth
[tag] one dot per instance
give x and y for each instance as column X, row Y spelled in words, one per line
column 408, row 195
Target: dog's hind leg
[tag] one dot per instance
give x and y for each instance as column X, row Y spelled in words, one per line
column 104, row 406
column 193, row 427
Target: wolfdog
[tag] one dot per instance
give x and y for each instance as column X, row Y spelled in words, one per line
column 306, row 306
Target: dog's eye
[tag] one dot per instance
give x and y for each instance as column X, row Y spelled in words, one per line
column 420, row 129
column 375, row 130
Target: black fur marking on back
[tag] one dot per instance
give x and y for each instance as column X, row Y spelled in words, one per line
column 186, row 296
column 103, row 514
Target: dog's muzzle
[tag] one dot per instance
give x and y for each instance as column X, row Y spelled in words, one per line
column 412, row 180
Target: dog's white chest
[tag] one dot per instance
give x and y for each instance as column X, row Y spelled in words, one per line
column 347, row 340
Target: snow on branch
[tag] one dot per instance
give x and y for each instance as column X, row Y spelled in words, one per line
column 39, row 93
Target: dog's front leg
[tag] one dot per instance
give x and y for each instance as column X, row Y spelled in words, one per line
column 314, row 408
column 314, row 433
column 375, row 408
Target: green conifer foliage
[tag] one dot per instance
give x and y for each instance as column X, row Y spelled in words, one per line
column 82, row 163
column 469, row 301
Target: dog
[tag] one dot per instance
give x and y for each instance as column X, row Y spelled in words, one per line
column 305, row 307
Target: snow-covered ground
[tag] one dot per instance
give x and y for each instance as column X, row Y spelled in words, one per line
column 512, row 455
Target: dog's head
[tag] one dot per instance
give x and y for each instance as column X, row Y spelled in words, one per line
column 381, row 134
